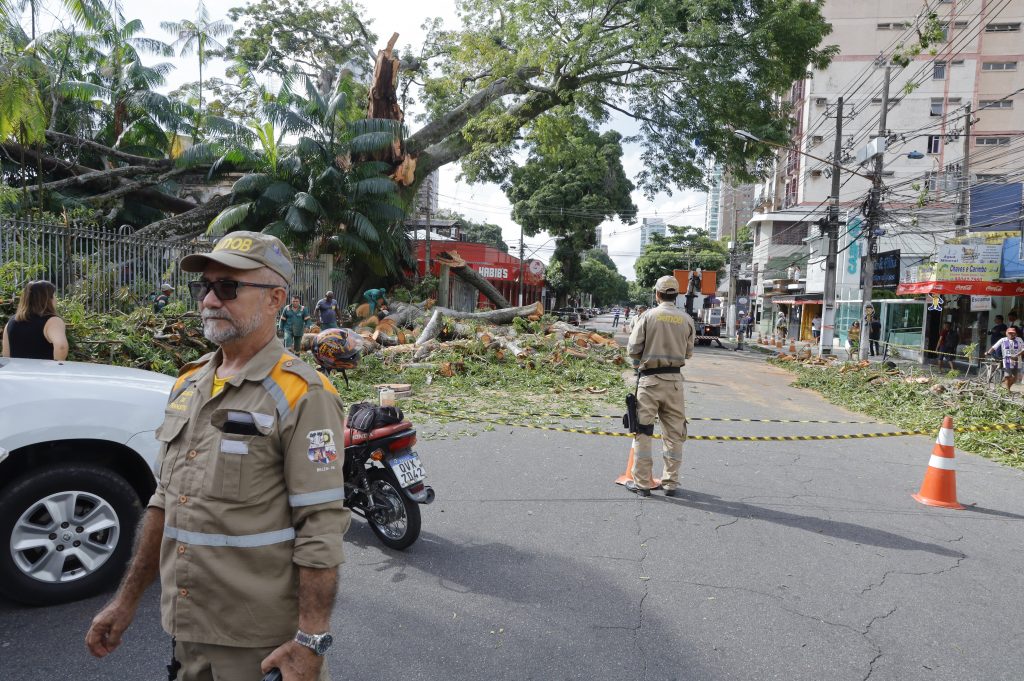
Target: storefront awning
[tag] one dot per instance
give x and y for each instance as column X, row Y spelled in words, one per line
column 963, row 288
column 801, row 299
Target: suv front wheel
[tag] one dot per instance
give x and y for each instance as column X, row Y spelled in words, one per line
column 66, row 533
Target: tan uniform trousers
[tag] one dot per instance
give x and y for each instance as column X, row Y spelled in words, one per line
column 660, row 395
column 205, row 662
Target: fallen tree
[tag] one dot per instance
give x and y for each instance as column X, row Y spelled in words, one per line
column 463, row 271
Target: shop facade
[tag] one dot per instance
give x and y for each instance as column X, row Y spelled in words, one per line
column 500, row 269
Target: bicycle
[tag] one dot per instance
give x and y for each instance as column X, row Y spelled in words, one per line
column 992, row 370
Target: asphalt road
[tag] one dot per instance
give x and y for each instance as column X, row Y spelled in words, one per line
column 790, row 560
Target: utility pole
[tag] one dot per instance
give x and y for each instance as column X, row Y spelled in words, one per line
column 828, row 315
column 429, row 182
column 964, row 219
column 875, row 205
column 522, row 255
column 732, row 317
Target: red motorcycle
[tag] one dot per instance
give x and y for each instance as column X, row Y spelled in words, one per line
column 384, row 481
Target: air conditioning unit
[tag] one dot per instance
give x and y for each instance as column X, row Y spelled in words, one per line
column 816, row 172
column 821, row 101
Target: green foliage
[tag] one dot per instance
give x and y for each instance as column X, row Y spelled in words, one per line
column 687, row 71
column 314, row 39
column 682, row 248
column 571, row 182
column 603, row 282
column 912, row 406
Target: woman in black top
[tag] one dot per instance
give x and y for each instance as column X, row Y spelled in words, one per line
column 35, row 331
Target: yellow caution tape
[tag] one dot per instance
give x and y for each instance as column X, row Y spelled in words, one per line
column 441, row 412
column 744, row 438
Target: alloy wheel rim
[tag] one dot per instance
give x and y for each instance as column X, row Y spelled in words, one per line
column 64, row 537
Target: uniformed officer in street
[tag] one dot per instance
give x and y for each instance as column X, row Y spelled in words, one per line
column 659, row 345
column 245, row 528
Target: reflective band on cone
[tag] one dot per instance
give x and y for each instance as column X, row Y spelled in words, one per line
column 939, row 486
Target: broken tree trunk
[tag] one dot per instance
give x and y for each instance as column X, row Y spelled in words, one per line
column 472, row 277
column 433, row 327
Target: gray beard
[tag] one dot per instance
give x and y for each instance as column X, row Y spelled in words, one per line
column 233, row 332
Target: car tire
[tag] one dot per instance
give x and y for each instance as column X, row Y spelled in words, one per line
column 39, row 510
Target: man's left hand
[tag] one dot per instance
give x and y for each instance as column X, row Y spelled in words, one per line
column 296, row 662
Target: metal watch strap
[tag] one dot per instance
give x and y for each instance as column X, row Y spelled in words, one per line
column 310, row 641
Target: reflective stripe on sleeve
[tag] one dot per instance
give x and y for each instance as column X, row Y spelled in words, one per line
column 942, row 462
column 283, row 408
column 242, row 541
column 321, row 497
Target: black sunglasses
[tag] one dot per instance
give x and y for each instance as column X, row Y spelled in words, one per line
column 224, row 289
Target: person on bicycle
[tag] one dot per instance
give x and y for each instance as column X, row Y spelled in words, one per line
column 1011, row 348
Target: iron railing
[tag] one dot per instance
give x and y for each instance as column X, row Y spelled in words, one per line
column 111, row 270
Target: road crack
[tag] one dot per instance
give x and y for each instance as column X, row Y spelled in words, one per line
column 929, row 573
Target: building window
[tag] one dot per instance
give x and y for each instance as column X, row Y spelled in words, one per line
column 992, row 141
column 934, row 144
column 939, row 70
column 996, row 104
column 936, row 108
column 999, row 66
column 894, row 26
column 931, row 180
column 1003, row 27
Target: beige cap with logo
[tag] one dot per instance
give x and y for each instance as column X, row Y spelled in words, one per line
column 667, row 284
column 245, row 251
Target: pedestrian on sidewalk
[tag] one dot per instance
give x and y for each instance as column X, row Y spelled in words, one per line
column 816, row 327
column 853, row 338
column 615, row 319
column 1010, row 349
column 874, row 335
column 949, row 339
column 1011, row 318
column 661, row 342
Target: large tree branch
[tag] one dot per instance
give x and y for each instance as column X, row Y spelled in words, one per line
column 453, row 121
column 186, row 224
column 108, row 151
column 53, row 164
column 94, row 176
column 134, row 186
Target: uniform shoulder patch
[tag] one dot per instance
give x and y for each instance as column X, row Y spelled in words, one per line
column 323, row 448
column 295, row 366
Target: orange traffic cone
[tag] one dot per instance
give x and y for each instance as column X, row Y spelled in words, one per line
column 792, row 346
column 628, row 475
column 939, row 486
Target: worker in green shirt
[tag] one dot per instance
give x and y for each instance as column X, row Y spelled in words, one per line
column 294, row 322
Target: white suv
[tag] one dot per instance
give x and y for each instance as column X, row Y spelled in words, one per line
column 77, row 450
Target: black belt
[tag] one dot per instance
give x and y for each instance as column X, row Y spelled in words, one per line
column 660, row 370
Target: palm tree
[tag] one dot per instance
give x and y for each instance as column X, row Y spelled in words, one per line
column 199, row 35
column 316, row 197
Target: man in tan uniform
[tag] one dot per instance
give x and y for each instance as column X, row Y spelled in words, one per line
column 245, row 528
column 659, row 345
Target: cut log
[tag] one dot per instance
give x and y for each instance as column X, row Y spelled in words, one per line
column 503, row 316
column 472, row 277
column 431, row 330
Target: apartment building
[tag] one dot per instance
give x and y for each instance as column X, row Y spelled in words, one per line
column 651, row 226
column 979, row 64
column 730, row 204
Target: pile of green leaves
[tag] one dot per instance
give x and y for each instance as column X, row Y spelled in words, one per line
column 547, row 381
column 140, row 339
column 888, row 396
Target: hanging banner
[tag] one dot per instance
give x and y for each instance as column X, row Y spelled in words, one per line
column 962, row 262
column 963, row 288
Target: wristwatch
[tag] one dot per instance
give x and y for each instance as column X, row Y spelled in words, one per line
column 318, row 643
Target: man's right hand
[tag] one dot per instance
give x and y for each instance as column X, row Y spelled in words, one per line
column 107, row 627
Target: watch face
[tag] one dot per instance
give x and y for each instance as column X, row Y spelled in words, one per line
column 324, row 643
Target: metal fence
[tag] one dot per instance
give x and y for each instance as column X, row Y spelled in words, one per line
column 114, row 271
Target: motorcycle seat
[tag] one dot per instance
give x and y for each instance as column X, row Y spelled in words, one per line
column 358, row 437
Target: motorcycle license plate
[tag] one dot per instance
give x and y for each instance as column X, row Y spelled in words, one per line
column 408, row 469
